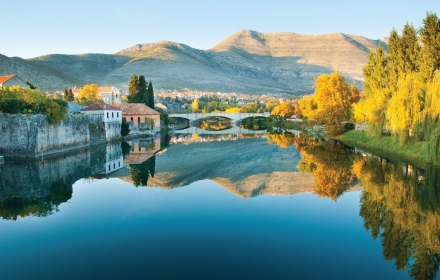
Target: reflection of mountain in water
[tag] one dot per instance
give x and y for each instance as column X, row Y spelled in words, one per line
column 37, row 187
column 246, row 167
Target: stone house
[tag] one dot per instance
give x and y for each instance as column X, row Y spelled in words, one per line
column 110, row 95
column 110, row 115
column 12, row 80
column 140, row 115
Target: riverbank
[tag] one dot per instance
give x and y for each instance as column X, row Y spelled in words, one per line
column 386, row 146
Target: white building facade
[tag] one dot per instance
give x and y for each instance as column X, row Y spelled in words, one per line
column 111, row 116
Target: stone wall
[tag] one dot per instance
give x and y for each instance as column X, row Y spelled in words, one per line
column 31, row 135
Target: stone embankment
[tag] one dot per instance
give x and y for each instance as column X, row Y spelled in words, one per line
column 32, row 135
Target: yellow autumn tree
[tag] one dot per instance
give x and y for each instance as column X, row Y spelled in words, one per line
column 88, row 95
column 331, row 103
column 195, row 105
column 285, row 110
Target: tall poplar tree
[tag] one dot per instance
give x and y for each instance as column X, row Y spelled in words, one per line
column 66, row 94
column 430, row 53
column 143, row 95
column 134, row 90
column 150, row 96
column 71, row 96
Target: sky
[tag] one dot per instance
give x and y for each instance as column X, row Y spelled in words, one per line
column 32, row 28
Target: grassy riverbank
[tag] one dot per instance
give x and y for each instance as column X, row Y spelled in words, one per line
column 387, row 146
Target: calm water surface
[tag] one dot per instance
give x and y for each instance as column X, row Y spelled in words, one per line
column 277, row 207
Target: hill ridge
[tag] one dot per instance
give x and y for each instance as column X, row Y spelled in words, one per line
column 248, row 61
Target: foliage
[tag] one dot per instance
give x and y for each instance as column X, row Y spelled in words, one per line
column 284, row 140
column 331, row 103
column 402, row 88
column 12, row 208
column 330, row 164
column 271, row 104
column 150, row 95
column 125, row 128
column 139, row 91
column 88, row 95
column 404, row 211
column 16, row 100
column 284, row 110
column 68, row 95
column 140, row 173
column 164, row 117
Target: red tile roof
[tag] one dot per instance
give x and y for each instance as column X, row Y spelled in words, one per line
column 100, row 106
column 105, row 89
column 135, row 109
column 4, row 79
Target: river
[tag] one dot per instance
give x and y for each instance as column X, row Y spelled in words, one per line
column 219, row 207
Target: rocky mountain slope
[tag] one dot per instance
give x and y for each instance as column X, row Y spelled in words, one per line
column 246, row 62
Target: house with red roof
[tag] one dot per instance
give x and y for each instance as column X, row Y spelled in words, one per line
column 110, row 115
column 12, row 80
column 140, row 115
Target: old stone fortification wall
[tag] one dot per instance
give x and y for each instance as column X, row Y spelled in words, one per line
column 31, row 135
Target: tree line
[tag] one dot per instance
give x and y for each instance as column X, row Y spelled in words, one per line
column 14, row 100
column 402, row 87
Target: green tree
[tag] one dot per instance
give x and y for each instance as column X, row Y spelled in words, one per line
column 125, row 128
column 68, row 95
column 143, row 94
column 430, row 53
column 134, row 90
column 150, row 95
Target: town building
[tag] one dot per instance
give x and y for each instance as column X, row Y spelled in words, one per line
column 12, row 80
column 110, row 95
column 110, row 115
column 140, row 116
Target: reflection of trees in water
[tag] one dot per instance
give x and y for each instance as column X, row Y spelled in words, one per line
column 213, row 123
column 139, row 173
column 254, row 123
column 283, row 140
column 12, row 208
column 331, row 165
column 401, row 205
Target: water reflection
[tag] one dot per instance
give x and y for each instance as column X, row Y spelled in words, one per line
column 214, row 123
column 14, row 207
column 330, row 163
column 254, row 123
column 37, row 188
column 400, row 204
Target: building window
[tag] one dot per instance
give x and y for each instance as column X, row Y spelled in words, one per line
column 117, row 114
column 139, row 120
column 131, row 119
column 109, row 167
column 107, row 115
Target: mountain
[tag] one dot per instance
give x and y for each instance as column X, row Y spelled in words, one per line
column 245, row 62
